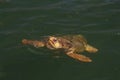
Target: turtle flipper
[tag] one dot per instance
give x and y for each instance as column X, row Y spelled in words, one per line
column 79, row 57
column 35, row 43
column 90, row 49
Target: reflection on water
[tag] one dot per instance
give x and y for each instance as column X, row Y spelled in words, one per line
column 97, row 20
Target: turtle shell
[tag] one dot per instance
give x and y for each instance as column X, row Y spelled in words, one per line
column 78, row 42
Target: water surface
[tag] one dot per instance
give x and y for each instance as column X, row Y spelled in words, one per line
column 97, row 20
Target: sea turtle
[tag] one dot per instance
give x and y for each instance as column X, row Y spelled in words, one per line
column 71, row 44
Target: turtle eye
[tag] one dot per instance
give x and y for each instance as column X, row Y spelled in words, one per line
column 54, row 40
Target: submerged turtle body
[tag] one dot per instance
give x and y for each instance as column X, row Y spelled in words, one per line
column 72, row 45
column 79, row 43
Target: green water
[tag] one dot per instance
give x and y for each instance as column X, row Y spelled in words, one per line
column 97, row 20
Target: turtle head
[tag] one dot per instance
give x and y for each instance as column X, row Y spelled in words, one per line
column 54, row 42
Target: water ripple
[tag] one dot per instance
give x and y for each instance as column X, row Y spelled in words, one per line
column 58, row 5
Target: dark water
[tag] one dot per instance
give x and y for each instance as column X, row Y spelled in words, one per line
column 97, row 20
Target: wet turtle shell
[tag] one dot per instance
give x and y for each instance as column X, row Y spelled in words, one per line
column 78, row 42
